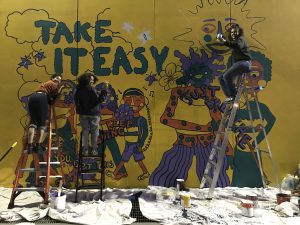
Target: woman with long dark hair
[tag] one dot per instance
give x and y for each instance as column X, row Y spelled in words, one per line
column 241, row 60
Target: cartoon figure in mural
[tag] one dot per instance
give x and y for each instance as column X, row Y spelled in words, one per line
column 109, row 128
column 244, row 163
column 87, row 101
column 241, row 57
column 194, row 111
column 135, row 131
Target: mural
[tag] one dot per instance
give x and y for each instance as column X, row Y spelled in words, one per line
column 164, row 103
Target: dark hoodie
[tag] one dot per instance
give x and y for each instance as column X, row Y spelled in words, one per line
column 87, row 100
column 240, row 49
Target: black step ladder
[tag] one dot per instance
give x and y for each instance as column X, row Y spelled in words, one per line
column 215, row 160
column 82, row 170
column 42, row 175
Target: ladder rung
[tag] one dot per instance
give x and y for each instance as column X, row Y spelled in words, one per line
column 218, row 148
column 51, row 163
column 91, row 156
column 220, row 132
column 90, row 186
column 28, row 169
column 30, row 189
column 212, row 162
column 228, row 129
column 208, row 178
column 53, row 148
column 91, row 171
column 264, row 151
column 31, row 170
column 248, row 127
column 51, row 176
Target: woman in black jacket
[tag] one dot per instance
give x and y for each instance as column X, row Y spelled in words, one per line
column 241, row 60
column 87, row 101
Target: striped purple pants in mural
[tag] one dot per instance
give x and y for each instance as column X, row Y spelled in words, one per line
column 177, row 161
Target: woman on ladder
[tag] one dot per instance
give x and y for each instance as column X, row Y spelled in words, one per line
column 38, row 105
column 241, row 60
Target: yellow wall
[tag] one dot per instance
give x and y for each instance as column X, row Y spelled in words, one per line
column 271, row 28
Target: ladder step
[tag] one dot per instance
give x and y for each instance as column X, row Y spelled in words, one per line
column 90, row 186
column 221, row 132
column 247, row 128
column 51, row 176
column 51, row 163
column 218, row 148
column 28, row 169
column 53, row 148
column 32, row 170
column 265, row 151
column 212, row 162
column 91, row 156
column 30, row 189
column 228, row 129
column 91, row 171
column 208, row 178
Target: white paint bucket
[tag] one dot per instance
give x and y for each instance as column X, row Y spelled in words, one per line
column 58, row 202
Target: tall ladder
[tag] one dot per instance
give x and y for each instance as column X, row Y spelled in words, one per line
column 215, row 160
column 82, row 170
column 42, row 182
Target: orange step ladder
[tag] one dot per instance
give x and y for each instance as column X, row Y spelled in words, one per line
column 42, row 182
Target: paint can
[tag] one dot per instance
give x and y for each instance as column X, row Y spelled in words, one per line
column 282, row 197
column 180, row 184
column 58, row 202
column 247, row 208
column 185, row 199
column 253, row 198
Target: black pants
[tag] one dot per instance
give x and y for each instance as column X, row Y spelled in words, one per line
column 226, row 81
column 38, row 109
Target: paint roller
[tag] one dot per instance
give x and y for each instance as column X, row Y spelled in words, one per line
column 11, row 147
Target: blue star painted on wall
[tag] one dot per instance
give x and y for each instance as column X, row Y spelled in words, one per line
column 40, row 56
column 151, row 78
column 25, row 62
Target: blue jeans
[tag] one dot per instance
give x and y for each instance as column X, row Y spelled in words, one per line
column 89, row 124
column 228, row 78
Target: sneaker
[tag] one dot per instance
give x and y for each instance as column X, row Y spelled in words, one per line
column 30, row 148
column 229, row 100
column 39, row 148
column 85, row 152
column 94, row 152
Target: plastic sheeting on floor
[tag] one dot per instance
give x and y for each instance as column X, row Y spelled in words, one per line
column 114, row 210
column 224, row 208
